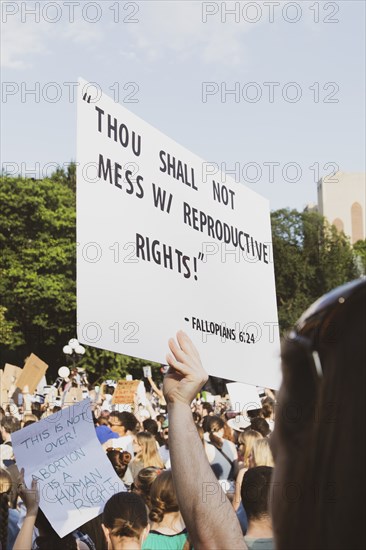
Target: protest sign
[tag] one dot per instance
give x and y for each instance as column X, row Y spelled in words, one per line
column 243, row 397
column 72, row 395
column 167, row 242
column 11, row 375
column 147, row 371
column 75, row 478
column 125, row 391
column 32, row 373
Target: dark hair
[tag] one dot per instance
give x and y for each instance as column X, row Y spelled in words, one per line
column 196, row 417
column 151, row 426
column 260, row 425
column 120, row 461
column 48, row 537
column 125, row 419
column 207, row 407
column 320, row 449
column 143, row 482
column 215, row 424
column 125, row 515
column 163, row 497
column 268, row 407
column 255, row 491
column 5, row 488
column 10, row 424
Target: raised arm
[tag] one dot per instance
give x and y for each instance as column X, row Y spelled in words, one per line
column 31, row 500
column 208, row 515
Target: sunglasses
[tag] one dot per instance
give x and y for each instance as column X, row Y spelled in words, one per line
column 318, row 324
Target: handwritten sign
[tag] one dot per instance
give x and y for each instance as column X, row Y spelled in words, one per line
column 125, row 391
column 177, row 244
column 32, row 373
column 75, row 477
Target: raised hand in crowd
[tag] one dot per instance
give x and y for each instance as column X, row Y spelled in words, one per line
column 207, row 513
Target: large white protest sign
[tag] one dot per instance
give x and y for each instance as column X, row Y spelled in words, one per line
column 165, row 244
column 75, row 478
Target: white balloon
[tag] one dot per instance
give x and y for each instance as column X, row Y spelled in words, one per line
column 80, row 350
column 64, row 372
column 73, row 343
column 67, row 350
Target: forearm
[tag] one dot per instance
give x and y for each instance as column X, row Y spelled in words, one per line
column 25, row 535
column 209, row 516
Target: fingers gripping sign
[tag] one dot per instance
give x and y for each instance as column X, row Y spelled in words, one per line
column 186, row 375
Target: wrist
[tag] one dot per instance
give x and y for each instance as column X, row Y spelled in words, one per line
column 179, row 406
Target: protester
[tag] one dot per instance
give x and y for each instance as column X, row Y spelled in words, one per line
column 147, row 454
column 8, row 425
column 255, row 492
column 247, row 440
column 47, row 537
column 164, row 449
column 9, row 516
column 202, row 502
column 167, row 529
column 124, row 424
column 143, row 482
column 125, row 522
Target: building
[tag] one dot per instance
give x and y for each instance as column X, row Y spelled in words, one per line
column 342, row 200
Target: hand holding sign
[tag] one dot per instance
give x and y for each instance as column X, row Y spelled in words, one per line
column 186, row 376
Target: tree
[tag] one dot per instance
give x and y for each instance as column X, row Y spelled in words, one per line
column 37, row 236
column 310, row 258
column 359, row 248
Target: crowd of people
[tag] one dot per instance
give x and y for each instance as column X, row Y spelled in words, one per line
column 198, row 474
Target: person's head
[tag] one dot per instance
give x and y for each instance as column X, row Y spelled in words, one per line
column 150, row 425
column 165, row 432
column 163, row 497
column 315, row 440
column 9, row 425
column 123, row 422
column 268, row 408
column 120, row 460
column 260, row 425
column 216, row 430
column 143, row 481
column 261, row 454
column 255, row 490
column 147, row 450
column 196, row 417
column 48, row 538
column 207, row 409
column 246, row 441
column 125, row 521
column 5, row 489
column 29, row 419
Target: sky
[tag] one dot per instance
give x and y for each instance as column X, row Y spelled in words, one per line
column 272, row 92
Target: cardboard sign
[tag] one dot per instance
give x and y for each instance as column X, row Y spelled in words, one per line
column 72, row 396
column 75, row 478
column 32, row 373
column 125, row 392
column 168, row 243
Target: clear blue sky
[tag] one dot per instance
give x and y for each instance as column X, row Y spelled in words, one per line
column 170, row 50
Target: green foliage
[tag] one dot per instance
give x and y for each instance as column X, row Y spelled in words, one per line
column 310, row 258
column 37, row 236
column 8, row 335
column 104, row 365
column 359, row 248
